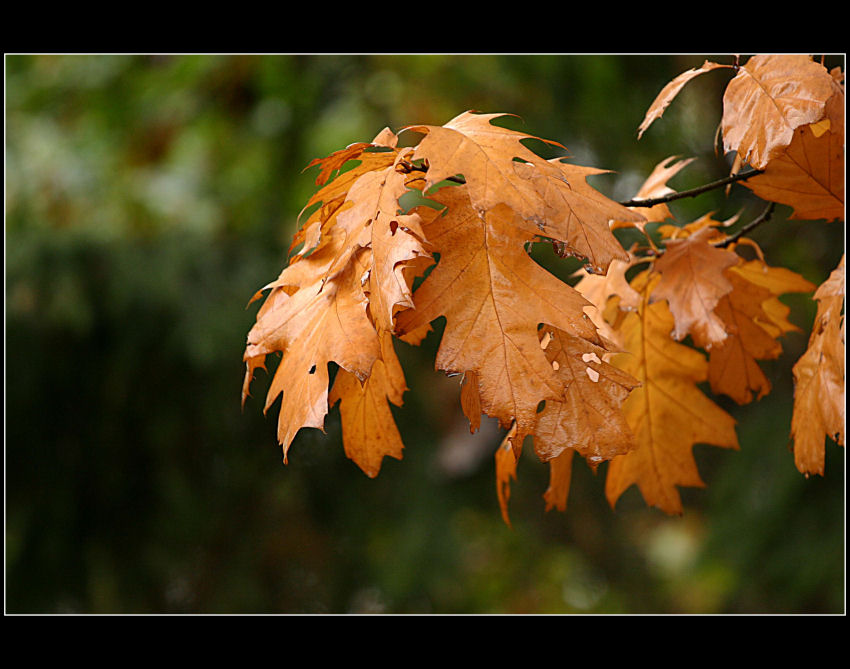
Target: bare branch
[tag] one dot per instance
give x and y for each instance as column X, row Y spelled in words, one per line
column 749, row 227
column 740, row 176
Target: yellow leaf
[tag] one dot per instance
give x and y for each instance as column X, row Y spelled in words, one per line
column 668, row 413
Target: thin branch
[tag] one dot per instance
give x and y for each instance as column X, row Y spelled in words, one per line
column 740, row 176
column 749, row 227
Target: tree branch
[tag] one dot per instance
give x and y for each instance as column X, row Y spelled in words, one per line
column 740, row 176
column 765, row 216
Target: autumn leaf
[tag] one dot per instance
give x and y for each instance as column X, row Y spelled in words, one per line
column 692, row 282
column 778, row 281
column 548, row 197
column 319, row 323
column 493, row 296
column 809, row 175
column 560, row 471
column 326, row 305
column 819, row 379
column 668, row 413
column 369, row 432
column 767, row 100
column 599, row 288
column 506, row 458
column 671, row 90
column 589, row 417
column 753, row 318
column 333, row 195
column 395, row 239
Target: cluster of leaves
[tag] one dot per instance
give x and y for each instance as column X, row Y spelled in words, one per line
column 600, row 368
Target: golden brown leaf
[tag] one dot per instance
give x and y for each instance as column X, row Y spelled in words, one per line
column 778, row 281
column 470, row 400
column 754, row 318
column 320, row 323
column 589, row 417
column 732, row 366
column 549, row 198
column 819, row 379
column 668, row 414
column 369, row 431
column 493, row 296
column 560, row 471
column 671, row 90
column 809, row 175
column 767, row 100
column 692, row 282
column 597, row 289
column 394, row 238
column 506, row 461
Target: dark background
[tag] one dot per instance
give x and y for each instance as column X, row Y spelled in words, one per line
column 149, row 197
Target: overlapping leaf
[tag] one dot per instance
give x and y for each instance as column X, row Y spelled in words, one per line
column 753, row 318
column 767, row 100
column 493, row 296
column 548, row 198
column 668, row 413
column 692, row 282
column 809, row 175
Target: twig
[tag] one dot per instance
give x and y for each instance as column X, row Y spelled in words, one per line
column 740, row 176
column 765, row 215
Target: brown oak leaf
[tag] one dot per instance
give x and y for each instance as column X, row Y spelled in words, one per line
column 819, row 379
column 767, row 100
column 668, row 413
column 692, row 282
column 809, row 175
column 493, row 296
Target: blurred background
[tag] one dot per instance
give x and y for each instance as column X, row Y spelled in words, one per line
column 149, row 197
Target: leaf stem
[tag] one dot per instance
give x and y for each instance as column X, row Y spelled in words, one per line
column 651, row 202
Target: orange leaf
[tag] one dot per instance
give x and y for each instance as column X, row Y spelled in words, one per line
column 668, row 414
column 588, row 418
column 671, row 90
column 506, row 462
column 732, row 366
column 549, row 198
column 318, row 324
column 493, row 296
column 369, row 431
column 819, row 379
column 809, row 175
column 560, row 470
column 767, row 100
column 692, row 282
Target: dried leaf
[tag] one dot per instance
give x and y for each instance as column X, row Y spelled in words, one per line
column 767, row 100
column 692, row 282
column 549, row 198
column 809, row 175
column 506, row 461
column 668, row 414
column 493, row 296
column 369, row 432
column 560, row 471
column 671, row 90
column 819, row 379
column 320, row 323
column 589, row 417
